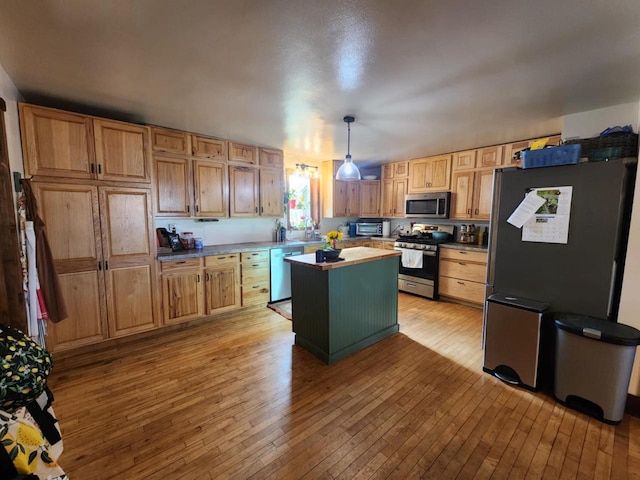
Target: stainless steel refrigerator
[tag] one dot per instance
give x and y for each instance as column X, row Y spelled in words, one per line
column 583, row 276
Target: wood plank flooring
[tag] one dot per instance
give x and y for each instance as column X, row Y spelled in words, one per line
column 235, row 399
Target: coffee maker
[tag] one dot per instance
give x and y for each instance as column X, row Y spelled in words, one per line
column 169, row 239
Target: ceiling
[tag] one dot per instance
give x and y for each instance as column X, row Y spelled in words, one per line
column 421, row 77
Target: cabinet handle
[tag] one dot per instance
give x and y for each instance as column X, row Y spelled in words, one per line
column 468, row 211
column 256, row 209
column 93, row 168
column 100, row 266
column 255, row 264
column 462, row 252
column 221, row 258
column 207, row 277
column 198, row 278
column 256, row 286
column 461, row 283
column 477, row 211
column 106, row 265
column 181, row 261
column 197, row 209
column 463, row 264
column 188, row 208
column 99, row 169
column 261, row 209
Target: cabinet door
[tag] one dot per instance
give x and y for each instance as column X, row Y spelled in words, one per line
column 400, row 169
column 340, row 198
column 482, row 194
column 182, row 295
column 209, row 147
column 86, row 321
column 400, row 187
column 440, row 173
column 464, row 160
column 430, row 174
column 222, row 289
column 130, row 297
column 271, row 158
column 170, row 141
column 211, row 189
column 353, row 199
column 56, row 143
column 462, row 194
column 239, row 152
column 121, row 151
column 387, row 197
column 173, row 187
column 271, row 188
column 243, row 191
column 490, row 157
column 370, row 198
column 419, row 175
column 387, row 170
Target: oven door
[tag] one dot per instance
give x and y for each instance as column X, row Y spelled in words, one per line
column 420, row 281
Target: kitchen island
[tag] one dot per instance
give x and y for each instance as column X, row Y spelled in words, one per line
column 341, row 307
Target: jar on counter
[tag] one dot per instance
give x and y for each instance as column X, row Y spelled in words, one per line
column 199, row 243
column 188, row 240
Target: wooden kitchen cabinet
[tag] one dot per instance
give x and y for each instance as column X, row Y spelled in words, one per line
column 211, row 188
column 490, row 157
column 462, row 275
column 271, row 192
column 182, row 290
column 62, row 144
column 175, row 142
column 464, row 160
column 394, row 191
column 431, row 174
column 243, row 191
column 121, row 151
column 370, row 198
column 239, row 152
column 209, row 147
column 339, row 198
column 395, row 170
column 471, row 194
column 103, row 245
column 270, row 157
column 254, row 269
column 222, row 283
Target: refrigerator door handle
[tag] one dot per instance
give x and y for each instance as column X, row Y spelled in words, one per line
column 612, row 287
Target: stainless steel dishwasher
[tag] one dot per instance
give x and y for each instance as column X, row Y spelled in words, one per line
column 281, row 271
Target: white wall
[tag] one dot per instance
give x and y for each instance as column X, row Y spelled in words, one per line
column 11, row 96
column 590, row 124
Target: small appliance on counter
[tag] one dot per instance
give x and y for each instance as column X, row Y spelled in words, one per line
column 169, row 239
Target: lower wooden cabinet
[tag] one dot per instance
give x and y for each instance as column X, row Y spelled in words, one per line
column 222, row 283
column 254, row 267
column 182, row 290
column 462, row 275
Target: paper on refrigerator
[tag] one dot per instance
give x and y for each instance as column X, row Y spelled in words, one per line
column 549, row 222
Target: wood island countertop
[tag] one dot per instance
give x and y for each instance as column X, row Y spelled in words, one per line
column 352, row 256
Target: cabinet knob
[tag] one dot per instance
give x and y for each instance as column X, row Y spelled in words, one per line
column 477, row 211
column 461, row 283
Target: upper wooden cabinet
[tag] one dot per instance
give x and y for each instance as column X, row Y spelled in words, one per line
column 174, row 196
column 243, row 191
column 271, row 196
column 170, row 141
column 394, row 191
column 211, row 188
column 209, row 147
column 121, row 151
column 56, row 143
column 472, row 194
column 395, row 170
column 490, row 157
column 430, row 174
column 370, row 198
column 465, row 160
column 62, row 144
column 239, row 152
column 270, row 157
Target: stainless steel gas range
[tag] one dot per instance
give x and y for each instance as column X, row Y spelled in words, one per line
column 419, row 260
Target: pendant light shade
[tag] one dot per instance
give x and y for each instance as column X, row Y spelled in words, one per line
column 348, row 170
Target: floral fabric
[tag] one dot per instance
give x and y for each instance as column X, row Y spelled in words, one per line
column 24, row 369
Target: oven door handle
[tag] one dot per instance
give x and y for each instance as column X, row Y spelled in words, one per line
column 430, row 254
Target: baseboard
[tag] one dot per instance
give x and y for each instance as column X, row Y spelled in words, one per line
column 633, row 405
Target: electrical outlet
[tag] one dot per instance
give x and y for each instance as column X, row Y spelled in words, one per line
column 172, row 227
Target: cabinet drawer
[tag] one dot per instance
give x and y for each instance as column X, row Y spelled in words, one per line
column 475, row 272
column 461, row 289
column 350, row 244
column 259, row 256
column 221, row 259
column 255, row 272
column 463, row 255
column 171, row 141
column 243, row 153
column 180, row 264
column 388, row 245
column 255, row 294
column 209, row 147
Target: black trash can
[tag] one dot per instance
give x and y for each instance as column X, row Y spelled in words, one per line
column 594, row 358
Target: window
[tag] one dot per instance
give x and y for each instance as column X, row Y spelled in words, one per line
column 302, row 198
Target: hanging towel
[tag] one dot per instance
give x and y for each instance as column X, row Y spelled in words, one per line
column 412, row 258
column 47, row 275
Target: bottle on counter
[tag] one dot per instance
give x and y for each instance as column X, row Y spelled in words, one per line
column 187, row 240
column 485, row 237
column 480, row 237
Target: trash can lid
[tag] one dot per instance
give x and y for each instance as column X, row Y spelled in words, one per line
column 518, row 302
column 598, row 329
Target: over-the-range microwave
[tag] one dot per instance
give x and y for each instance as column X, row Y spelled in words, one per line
column 428, row 205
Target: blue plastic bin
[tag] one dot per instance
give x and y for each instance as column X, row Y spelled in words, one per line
column 551, row 157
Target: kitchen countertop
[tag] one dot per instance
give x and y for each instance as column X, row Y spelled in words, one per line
column 165, row 255
column 351, row 256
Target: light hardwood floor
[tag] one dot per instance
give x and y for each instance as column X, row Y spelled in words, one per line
column 233, row 398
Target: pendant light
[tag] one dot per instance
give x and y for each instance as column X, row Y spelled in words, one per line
column 348, row 170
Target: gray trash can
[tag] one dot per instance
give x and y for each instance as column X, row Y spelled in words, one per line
column 594, row 358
